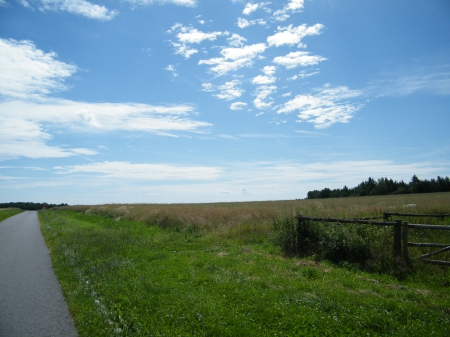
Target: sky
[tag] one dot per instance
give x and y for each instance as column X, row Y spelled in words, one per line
column 186, row 101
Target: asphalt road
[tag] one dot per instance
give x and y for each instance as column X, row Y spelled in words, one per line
column 31, row 300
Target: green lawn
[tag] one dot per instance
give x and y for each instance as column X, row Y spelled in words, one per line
column 124, row 278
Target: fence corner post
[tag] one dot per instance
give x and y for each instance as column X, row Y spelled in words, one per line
column 398, row 238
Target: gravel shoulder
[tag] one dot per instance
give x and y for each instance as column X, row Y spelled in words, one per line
column 31, row 300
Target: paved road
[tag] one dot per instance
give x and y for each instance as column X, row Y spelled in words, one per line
column 31, row 300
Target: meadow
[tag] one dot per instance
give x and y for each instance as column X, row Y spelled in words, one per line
column 221, row 270
column 5, row 213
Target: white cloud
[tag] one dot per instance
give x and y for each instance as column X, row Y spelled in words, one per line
column 208, row 87
column 107, row 116
column 229, row 90
column 80, row 7
column 325, row 108
column 249, row 8
column 294, row 6
column 262, row 93
column 293, row 35
column 187, row 35
column 238, row 105
column 22, row 138
column 126, row 170
column 236, row 40
column 23, row 133
column 182, row 49
column 303, row 74
column 260, row 79
column 234, row 58
column 269, row 70
column 298, row 58
column 3, row 3
column 186, row 3
column 172, row 69
column 26, row 71
column 244, row 23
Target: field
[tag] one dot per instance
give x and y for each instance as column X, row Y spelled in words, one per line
column 5, row 213
column 218, row 270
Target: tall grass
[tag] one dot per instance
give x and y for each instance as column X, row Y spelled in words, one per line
column 220, row 217
column 253, row 222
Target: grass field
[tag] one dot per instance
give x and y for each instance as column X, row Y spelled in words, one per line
column 214, row 270
column 5, row 213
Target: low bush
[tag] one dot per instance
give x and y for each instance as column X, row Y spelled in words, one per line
column 337, row 243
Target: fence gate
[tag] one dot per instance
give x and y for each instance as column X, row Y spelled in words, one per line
column 444, row 246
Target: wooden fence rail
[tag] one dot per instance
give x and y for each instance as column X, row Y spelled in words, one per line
column 401, row 229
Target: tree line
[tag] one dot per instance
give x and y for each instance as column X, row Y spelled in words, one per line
column 385, row 186
column 29, row 206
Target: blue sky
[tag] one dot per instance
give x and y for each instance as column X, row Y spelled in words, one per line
column 217, row 100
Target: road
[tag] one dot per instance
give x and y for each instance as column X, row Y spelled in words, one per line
column 31, row 300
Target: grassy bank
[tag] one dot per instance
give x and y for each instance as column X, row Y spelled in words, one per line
column 6, row 213
column 213, row 270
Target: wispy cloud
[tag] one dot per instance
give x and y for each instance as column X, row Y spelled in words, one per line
column 24, row 136
column 21, row 138
column 252, row 7
column 188, row 35
column 79, row 7
column 294, row 6
column 172, row 69
column 298, row 58
column 28, row 72
column 293, row 35
column 227, row 91
column 238, row 105
column 234, row 58
column 244, row 23
column 230, row 90
column 262, row 93
column 186, row 3
column 127, row 170
column 326, row 107
column 236, row 40
column 434, row 80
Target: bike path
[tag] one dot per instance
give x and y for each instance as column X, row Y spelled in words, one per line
column 31, row 299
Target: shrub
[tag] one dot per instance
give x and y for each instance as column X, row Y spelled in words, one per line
column 337, row 243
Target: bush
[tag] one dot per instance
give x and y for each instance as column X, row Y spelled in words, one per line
column 337, row 243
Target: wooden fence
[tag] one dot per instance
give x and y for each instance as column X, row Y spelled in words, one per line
column 445, row 246
column 400, row 238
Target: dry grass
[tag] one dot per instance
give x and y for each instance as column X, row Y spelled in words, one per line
column 254, row 220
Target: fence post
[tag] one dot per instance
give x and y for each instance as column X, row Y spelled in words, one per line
column 405, row 242
column 398, row 238
column 300, row 224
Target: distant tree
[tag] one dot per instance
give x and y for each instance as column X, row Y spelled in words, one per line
column 385, row 186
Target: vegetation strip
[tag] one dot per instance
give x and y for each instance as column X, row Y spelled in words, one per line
column 7, row 213
column 126, row 278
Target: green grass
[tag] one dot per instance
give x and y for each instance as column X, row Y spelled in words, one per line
column 6, row 213
column 127, row 278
